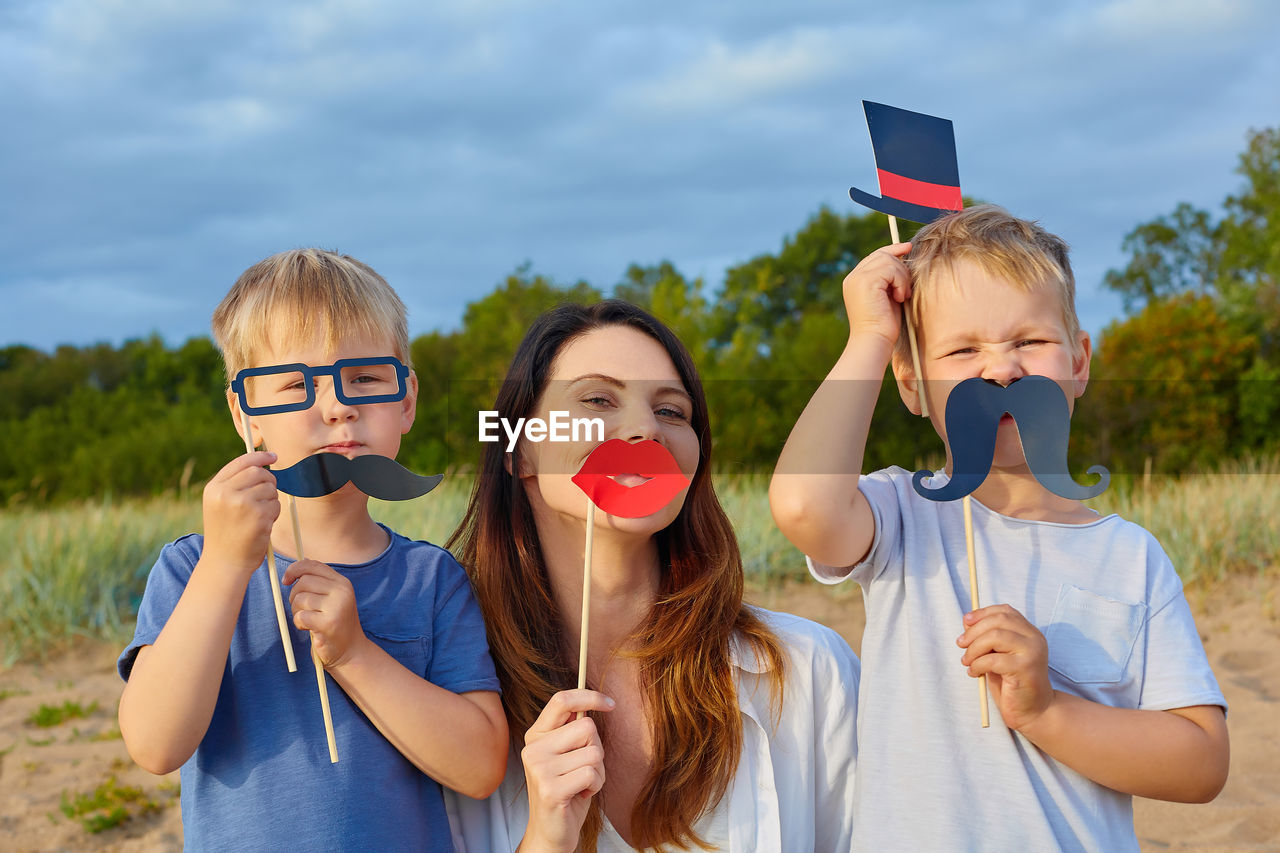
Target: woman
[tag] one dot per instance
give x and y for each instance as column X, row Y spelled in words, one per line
column 712, row 723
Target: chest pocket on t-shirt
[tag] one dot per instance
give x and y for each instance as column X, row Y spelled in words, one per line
column 1091, row 637
column 411, row 652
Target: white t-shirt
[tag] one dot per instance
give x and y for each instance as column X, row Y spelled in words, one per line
column 1119, row 633
column 793, row 789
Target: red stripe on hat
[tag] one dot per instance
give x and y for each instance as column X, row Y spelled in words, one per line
column 923, row 193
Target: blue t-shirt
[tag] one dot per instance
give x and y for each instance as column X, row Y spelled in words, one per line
column 261, row 777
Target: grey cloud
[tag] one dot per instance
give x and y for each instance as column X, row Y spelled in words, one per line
column 160, row 148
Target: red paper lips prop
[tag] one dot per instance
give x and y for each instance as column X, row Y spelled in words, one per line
column 647, row 459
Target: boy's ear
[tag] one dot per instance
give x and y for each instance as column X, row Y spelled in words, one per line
column 233, row 403
column 908, row 387
column 1080, row 359
column 409, row 405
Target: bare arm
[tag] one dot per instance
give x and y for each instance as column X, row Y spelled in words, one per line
column 460, row 740
column 169, row 699
column 814, row 492
column 1180, row 755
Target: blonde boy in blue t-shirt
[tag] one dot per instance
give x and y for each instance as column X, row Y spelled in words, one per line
column 1093, row 661
column 394, row 622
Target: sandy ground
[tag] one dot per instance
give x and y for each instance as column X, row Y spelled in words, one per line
column 43, row 768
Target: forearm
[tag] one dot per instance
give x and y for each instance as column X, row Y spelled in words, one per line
column 1180, row 755
column 815, row 484
column 172, row 690
column 458, row 740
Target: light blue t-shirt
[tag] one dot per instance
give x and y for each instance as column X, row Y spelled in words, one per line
column 1119, row 632
column 261, row 777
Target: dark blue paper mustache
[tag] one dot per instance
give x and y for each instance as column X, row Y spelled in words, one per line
column 377, row 476
column 1040, row 408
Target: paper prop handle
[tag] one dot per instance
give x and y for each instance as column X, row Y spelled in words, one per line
column 377, row 476
column 1040, row 409
column 616, row 457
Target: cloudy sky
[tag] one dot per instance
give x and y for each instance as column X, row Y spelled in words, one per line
column 153, row 149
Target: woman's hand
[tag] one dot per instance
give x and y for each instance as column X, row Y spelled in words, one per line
column 563, row 768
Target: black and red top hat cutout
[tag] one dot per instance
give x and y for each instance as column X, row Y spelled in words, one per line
column 916, row 164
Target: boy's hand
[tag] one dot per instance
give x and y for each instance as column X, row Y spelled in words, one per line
column 1000, row 643
column 240, row 505
column 875, row 290
column 563, row 768
column 323, row 602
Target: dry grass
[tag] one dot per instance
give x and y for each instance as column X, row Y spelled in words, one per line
column 79, row 571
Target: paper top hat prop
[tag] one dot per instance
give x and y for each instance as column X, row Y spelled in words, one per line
column 915, row 162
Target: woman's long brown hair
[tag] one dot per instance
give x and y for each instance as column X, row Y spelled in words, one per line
column 682, row 645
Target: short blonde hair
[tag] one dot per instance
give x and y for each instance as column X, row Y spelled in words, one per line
column 1016, row 250
column 307, row 294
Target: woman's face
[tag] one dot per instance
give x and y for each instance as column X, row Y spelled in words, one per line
column 626, row 379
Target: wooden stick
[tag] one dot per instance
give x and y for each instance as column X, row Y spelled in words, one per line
column 324, row 708
column 315, row 659
column 283, row 621
column 911, row 333
column 973, row 601
column 586, row 599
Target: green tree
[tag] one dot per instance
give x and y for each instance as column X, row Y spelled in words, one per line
column 1165, row 386
column 1226, row 272
column 769, row 290
column 673, row 299
column 1169, row 255
column 477, row 355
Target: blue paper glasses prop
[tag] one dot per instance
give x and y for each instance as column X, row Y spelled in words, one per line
column 278, row 388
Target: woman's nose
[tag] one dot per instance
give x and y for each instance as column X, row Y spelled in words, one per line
column 640, row 424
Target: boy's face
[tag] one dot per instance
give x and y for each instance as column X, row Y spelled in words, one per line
column 329, row 426
column 978, row 324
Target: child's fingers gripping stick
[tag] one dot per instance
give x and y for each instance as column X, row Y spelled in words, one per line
column 875, row 290
column 323, row 602
column 239, row 505
column 1000, row 643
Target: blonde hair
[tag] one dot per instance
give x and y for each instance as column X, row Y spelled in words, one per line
column 1016, row 250
column 305, row 295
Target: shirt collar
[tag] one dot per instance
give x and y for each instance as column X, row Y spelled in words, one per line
column 744, row 655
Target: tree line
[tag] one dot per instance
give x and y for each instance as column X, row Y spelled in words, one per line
column 1188, row 378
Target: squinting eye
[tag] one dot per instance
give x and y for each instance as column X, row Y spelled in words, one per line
column 671, row 412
